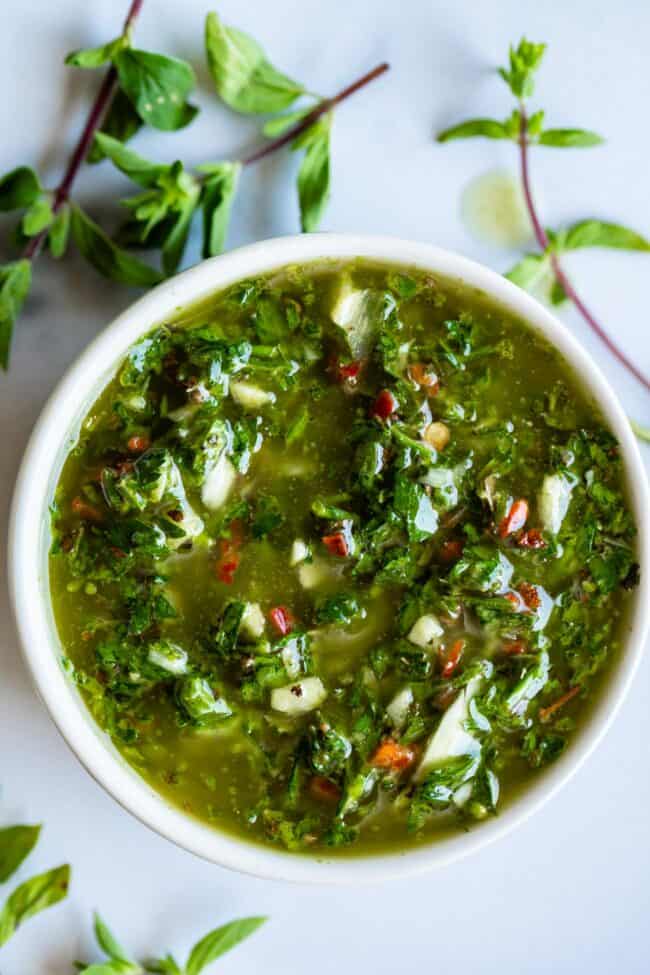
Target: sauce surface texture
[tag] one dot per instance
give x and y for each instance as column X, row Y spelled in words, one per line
column 340, row 558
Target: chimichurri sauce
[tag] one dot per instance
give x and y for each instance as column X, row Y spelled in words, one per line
column 339, row 557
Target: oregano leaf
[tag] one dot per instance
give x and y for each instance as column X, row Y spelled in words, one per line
column 174, row 245
column 218, row 195
column 523, row 63
column 108, row 942
column 59, row 232
column 19, row 189
column 15, row 280
column 529, row 271
column 219, row 941
column 487, row 128
column 35, row 895
column 136, row 167
column 282, row 123
column 569, row 138
column 121, row 123
column 314, row 173
column 106, row 257
column 94, row 57
column 16, row 843
column 244, row 78
column 38, row 216
column 600, row 233
column 158, row 87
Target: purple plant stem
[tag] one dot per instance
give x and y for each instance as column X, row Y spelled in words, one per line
column 556, row 267
column 320, row 109
column 95, row 118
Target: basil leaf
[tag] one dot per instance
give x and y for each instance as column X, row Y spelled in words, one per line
column 524, row 61
column 487, row 128
column 16, row 842
column 19, row 188
column 94, row 57
column 598, row 233
column 219, row 941
column 59, row 232
column 218, row 195
column 529, row 271
column 31, row 897
column 244, row 78
column 158, row 87
column 121, row 122
column 106, row 257
column 15, row 279
column 569, row 138
column 557, row 294
column 314, row 173
column 277, row 126
column 137, row 168
column 107, row 942
column 38, row 217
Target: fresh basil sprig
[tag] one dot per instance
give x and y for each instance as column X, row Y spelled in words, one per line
column 35, row 894
column 536, row 271
column 208, row 949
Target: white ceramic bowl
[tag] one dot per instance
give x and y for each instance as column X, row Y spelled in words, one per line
column 56, row 431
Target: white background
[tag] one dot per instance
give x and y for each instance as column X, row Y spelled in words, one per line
column 569, row 891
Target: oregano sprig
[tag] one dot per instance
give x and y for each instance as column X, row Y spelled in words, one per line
column 144, row 87
column 212, row 946
column 35, row 894
column 526, row 130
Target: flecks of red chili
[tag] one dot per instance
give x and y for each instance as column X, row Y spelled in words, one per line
column 87, row 512
column 514, row 648
column 530, row 595
column 531, row 539
column 451, row 550
column 229, row 557
column 514, row 600
column 337, row 544
column 324, row 789
column 349, row 370
column 451, row 658
column 281, row 619
column 424, row 376
column 137, row 445
column 515, row 519
column 384, row 406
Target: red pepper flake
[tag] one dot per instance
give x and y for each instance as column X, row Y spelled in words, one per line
column 451, row 550
column 337, row 544
column 451, row 658
column 393, row 756
column 532, row 539
column 515, row 519
column 424, row 376
column 514, row 600
column 87, row 512
column 548, row 712
column 229, row 558
column 530, row 595
column 324, row 789
column 281, row 619
column 117, row 553
column 137, row 445
column 384, row 406
column 514, row 648
column 348, row 370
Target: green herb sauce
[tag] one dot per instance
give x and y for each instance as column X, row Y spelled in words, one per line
column 340, row 557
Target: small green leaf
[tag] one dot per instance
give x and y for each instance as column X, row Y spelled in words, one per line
column 278, row 126
column 32, row 897
column 524, row 61
column 599, row 233
column 38, row 217
column 314, row 173
column 94, row 57
column 16, row 843
column 557, row 294
column 59, row 232
column 529, row 271
column 158, row 87
column 107, row 942
column 219, row 941
column 137, row 168
column 174, row 245
column 569, row 138
column 163, row 966
column 243, row 77
column 643, row 433
column 15, row 279
column 106, row 257
column 218, row 195
column 121, row 122
column 19, row 189
column 487, row 128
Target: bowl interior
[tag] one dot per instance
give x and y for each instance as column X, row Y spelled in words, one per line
column 57, row 430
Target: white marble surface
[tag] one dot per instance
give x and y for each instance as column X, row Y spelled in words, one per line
column 570, row 890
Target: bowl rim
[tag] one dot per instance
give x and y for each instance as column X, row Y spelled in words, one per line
column 59, row 420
